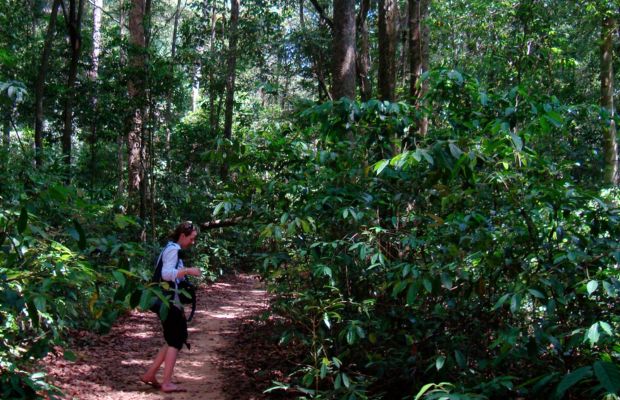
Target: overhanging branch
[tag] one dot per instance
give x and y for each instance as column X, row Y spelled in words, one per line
column 322, row 14
column 222, row 223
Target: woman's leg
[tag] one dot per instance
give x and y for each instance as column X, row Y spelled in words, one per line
column 150, row 375
column 171, row 359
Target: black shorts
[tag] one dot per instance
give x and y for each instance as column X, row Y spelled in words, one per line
column 175, row 328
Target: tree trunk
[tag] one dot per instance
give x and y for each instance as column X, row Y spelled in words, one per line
column 213, row 121
column 343, row 67
column 173, row 53
column 610, row 146
column 363, row 60
column 40, row 84
column 120, row 139
column 94, row 76
column 387, row 49
column 418, row 53
column 74, row 27
column 136, row 92
column 230, row 78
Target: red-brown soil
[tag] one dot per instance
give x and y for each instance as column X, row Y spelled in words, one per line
column 231, row 356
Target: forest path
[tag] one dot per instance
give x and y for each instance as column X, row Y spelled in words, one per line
column 108, row 367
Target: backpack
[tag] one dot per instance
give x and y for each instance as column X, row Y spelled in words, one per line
column 185, row 289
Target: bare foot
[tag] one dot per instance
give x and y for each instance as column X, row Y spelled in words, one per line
column 150, row 381
column 171, row 388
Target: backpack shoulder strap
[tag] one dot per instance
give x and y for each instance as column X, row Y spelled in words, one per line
column 160, row 264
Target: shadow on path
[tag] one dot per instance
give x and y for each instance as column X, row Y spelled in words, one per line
column 108, row 367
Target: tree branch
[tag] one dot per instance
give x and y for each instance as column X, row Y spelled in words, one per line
column 222, row 223
column 321, row 12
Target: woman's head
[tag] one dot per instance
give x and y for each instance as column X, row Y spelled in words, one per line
column 184, row 234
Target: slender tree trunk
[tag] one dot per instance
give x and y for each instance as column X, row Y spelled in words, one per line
column 120, row 139
column 146, row 139
column 387, row 49
column 363, row 60
column 610, row 146
column 402, row 71
column 74, row 27
column 213, row 120
column 94, row 76
column 136, row 92
column 40, row 84
column 120, row 157
column 230, row 78
column 418, row 53
column 343, row 67
column 173, row 53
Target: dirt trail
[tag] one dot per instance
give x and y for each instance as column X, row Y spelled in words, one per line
column 108, row 367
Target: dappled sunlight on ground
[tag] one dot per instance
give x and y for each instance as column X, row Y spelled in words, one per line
column 108, row 367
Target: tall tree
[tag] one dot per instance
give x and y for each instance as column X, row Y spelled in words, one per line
column 230, row 76
column 74, row 27
column 388, row 14
column 363, row 57
column 136, row 92
column 418, row 53
column 343, row 67
column 40, row 83
column 213, row 115
column 93, row 75
column 610, row 145
column 173, row 53
column 120, row 139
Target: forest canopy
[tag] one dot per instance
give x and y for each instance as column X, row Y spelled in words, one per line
column 428, row 188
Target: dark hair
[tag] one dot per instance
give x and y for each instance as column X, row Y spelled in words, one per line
column 186, row 228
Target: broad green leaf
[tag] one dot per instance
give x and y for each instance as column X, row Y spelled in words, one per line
column 446, row 281
column 218, row 208
column 40, row 303
column 609, row 288
column 427, row 285
column 323, row 372
column 345, row 380
column 571, row 379
column 460, row 359
column 351, row 336
column 554, row 118
column 608, row 374
column 517, row 141
column 22, row 222
column 424, row 390
column 412, row 293
column 501, row 301
column 536, row 293
column 439, row 362
column 380, row 166
column 592, row 286
column 515, row 303
column 593, row 334
column 82, row 234
column 69, row 355
column 305, row 225
column 119, row 277
column 283, row 218
column 606, row 328
column 455, row 151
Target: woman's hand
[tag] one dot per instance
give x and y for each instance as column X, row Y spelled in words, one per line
column 189, row 271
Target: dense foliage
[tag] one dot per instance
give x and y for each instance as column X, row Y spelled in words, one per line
column 470, row 257
column 477, row 259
